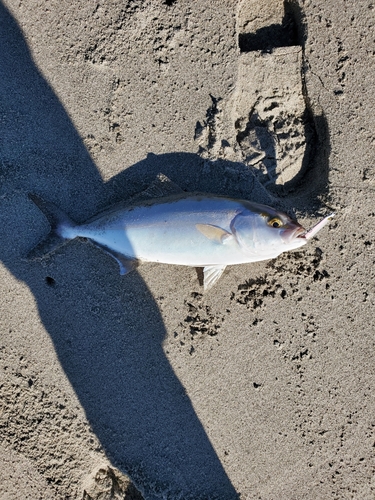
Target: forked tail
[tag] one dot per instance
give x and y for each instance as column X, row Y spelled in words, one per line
column 62, row 228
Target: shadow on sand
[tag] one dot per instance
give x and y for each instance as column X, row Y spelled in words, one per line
column 106, row 329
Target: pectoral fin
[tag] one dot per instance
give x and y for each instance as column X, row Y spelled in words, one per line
column 126, row 264
column 211, row 274
column 214, row 232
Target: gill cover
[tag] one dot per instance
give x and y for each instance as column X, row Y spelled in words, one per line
column 248, row 228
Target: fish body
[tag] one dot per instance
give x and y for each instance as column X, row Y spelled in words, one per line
column 190, row 229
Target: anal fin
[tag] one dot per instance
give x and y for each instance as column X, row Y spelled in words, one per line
column 126, row 264
column 211, row 274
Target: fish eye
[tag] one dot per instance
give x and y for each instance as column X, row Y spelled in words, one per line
column 275, row 222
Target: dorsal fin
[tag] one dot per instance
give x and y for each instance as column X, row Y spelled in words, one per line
column 160, row 187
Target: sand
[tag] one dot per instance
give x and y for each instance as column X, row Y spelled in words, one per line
column 143, row 386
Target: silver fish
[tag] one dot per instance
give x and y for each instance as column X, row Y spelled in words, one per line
column 191, row 229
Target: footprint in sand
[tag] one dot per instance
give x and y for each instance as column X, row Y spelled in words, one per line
column 266, row 123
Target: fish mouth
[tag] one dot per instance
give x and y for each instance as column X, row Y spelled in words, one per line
column 299, row 232
column 292, row 233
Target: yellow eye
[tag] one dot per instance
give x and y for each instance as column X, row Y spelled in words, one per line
column 275, row 222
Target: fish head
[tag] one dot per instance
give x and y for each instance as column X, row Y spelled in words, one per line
column 263, row 231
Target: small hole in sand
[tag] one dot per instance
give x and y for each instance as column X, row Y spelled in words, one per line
column 50, row 281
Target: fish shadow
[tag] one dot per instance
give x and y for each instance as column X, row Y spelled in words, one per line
column 107, row 330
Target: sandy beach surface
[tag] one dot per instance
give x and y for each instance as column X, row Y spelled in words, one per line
column 143, row 386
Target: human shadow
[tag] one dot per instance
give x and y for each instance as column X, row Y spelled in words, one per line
column 106, row 329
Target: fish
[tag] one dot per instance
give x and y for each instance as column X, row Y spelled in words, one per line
column 170, row 226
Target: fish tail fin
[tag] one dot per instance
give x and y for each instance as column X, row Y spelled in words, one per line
column 62, row 228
